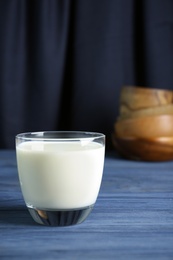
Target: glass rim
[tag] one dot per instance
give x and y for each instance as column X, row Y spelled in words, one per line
column 39, row 136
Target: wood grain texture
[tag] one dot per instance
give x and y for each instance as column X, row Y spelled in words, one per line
column 138, row 97
column 132, row 219
column 145, row 149
column 145, row 127
column 126, row 113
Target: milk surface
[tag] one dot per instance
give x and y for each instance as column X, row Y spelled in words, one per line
column 56, row 175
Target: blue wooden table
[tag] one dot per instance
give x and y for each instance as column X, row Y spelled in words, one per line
column 132, row 219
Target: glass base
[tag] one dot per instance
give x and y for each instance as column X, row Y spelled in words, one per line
column 60, row 218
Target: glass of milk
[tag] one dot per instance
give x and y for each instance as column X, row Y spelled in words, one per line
column 60, row 174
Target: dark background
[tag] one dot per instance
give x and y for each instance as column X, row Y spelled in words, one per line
column 63, row 62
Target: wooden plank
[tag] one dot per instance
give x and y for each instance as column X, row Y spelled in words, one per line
column 132, row 219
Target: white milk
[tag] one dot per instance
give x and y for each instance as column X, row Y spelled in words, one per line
column 57, row 175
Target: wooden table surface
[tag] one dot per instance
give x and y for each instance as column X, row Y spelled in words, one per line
column 132, row 219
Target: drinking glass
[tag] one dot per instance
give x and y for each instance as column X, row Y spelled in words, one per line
column 60, row 174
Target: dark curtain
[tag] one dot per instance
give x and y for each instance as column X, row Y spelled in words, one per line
column 63, row 62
